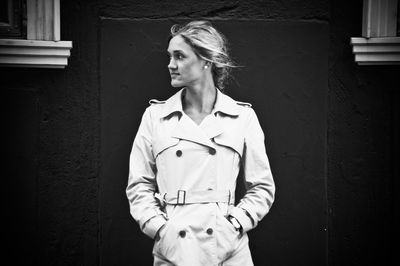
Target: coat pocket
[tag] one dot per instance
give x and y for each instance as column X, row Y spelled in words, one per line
column 158, row 244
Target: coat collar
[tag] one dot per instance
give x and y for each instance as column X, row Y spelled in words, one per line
column 224, row 104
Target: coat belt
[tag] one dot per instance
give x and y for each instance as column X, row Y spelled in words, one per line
column 182, row 197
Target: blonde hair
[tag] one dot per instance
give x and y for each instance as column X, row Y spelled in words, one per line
column 210, row 45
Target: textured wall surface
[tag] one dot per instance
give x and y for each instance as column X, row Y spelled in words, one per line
column 52, row 124
column 362, row 148
column 222, row 9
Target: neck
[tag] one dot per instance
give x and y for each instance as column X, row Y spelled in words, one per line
column 200, row 97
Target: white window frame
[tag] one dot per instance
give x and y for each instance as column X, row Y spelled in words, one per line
column 379, row 44
column 43, row 47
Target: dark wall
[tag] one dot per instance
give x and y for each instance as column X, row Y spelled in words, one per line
column 52, row 124
column 363, row 118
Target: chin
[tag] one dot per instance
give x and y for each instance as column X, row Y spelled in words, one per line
column 176, row 84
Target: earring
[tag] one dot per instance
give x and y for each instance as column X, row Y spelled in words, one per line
column 206, row 66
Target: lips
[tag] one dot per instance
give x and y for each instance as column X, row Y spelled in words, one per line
column 173, row 75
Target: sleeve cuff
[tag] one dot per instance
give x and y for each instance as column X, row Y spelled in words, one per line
column 152, row 226
column 244, row 220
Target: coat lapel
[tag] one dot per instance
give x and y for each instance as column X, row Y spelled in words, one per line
column 212, row 127
column 186, row 129
column 224, row 107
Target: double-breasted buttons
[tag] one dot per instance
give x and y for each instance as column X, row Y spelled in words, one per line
column 182, row 233
column 212, row 151
column 210, row 231
column 179, row 153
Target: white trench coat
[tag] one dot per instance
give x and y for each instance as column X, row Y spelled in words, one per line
column 183, row 175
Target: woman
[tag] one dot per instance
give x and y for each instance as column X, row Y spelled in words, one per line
column 186, row 157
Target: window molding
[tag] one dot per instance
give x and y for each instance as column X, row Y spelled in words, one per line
column 379, row 44
column 376, row 51
column 43, row 47
column 36, row 54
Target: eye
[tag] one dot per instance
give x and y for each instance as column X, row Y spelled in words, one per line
column 176, row 56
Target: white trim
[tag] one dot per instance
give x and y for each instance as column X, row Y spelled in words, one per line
column 376, row 51
column 30, row 53
column 379, row 18
column 43, row 20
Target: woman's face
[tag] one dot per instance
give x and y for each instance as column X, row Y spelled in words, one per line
column 185, row 67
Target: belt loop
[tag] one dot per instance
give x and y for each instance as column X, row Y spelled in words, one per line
column 179, row 199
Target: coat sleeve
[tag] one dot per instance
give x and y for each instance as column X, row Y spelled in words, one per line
column 144, row 207
column 260, row 185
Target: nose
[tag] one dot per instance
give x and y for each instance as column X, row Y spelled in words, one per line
column 172, row 63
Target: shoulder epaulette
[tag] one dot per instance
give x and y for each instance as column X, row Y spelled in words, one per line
column 155, row 101
column 243, row 104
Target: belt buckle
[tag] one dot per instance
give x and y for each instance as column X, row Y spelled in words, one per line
column 181, row 197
